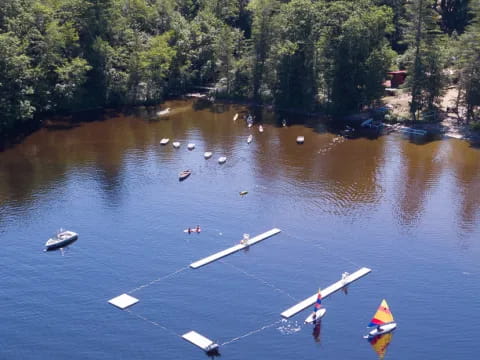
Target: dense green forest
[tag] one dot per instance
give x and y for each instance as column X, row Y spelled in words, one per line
column 58, row 56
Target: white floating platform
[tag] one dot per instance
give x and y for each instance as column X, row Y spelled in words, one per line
column 123, row 301
column 235, row 248
column 201, row 341
column 326, row 292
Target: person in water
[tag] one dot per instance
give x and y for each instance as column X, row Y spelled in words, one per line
column 189, row 230
column 197, row 229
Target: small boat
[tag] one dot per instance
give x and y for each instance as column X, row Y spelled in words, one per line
column 235, row 117
column 196, row 229
column 260, row 128
column 382, row 320
column 164, row 141
column 249, row 139
column 60, row 239
column 250, row 120
column 222, row 159
column 318, row 310
column 300, row 139
column 191, row 146
column 163, row 112
column 284, row 123
column 244, row 192
column 184, row 174
column 207, row 154
column 176, row 144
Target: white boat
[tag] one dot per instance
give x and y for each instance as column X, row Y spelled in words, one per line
column 300, row 139
column 222, row 159
column 176, row 144
column 207, row 154
column 284, row 123
column 62, row 238
column 249, row 139
column 235, row 117
column 318, row 310
column 164, row 141
column 163, row 112
column 191, row 146
column 260, row 128
column 382, row 321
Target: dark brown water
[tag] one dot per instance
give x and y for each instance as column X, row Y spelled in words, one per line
column 409, row 211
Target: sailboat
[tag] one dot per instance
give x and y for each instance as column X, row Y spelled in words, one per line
column 318, row 310
column 382, row 320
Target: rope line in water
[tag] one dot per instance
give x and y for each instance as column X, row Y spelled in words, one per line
column 250, row 333
column 152, row 322
column 158, row 280
column 260, row 280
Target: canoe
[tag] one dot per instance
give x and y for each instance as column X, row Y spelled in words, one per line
column 184, row 174
column 207, row 154
column 222, row 159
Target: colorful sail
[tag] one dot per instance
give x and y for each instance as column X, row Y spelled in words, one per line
column 318, row 303
column 380, row 344
column 382, row 316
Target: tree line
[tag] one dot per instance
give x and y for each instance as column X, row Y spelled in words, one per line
column 331, row 55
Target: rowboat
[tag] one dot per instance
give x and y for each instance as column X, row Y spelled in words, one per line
column 184, row 174
column 249, row 139
column 191, row 146
column 164, row 141
column 222, row 159
column 60, row 239
column 300, row 139
column 176, row 144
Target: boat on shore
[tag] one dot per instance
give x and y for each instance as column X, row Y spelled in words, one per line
column 163, row 112
column 184, row 174
column 235, row 117
column 60, row 239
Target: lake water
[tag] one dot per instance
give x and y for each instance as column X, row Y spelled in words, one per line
column 408, row 211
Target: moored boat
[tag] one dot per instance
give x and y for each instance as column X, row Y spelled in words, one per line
column 222, row 159
column 163, row 112
column 176, row 144
column 191, row 146
column 164, row 141
column 207, row 154
column 260, row 128
column 60, row 239
column 249, row 139
column 184, row 174
column 300, row 139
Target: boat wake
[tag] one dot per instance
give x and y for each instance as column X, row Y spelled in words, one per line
column 289, row 327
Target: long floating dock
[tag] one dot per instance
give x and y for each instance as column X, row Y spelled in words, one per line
column 244, row 244
column 326, row 292
column 201, row 341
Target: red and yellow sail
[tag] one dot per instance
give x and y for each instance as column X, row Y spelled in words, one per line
column 382, row 316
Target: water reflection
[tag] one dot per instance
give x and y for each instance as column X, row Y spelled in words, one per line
column 380, row 344
column 317, row 329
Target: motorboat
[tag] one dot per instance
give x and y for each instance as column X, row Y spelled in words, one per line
column 176, row 144
column 184, row 174
column 222, row 159
column 164, row 141
column 207, row 154
column 191, row 146
column 61, row 239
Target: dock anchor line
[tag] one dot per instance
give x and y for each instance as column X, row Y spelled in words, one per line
column 246, row 242
column 346, row 279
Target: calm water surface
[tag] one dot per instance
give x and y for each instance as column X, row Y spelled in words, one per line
column 408, row 211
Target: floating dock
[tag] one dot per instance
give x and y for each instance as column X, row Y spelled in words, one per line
column 201, row 341
column 326, row 292
column 123, row 301
column 244, row 244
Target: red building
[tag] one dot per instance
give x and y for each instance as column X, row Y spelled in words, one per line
column 397, row 78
